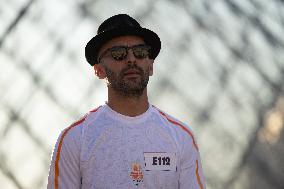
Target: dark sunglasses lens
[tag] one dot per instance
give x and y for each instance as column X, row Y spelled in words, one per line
column 119, row 53
column 141, row 51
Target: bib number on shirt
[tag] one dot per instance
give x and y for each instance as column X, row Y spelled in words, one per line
column 160, row 161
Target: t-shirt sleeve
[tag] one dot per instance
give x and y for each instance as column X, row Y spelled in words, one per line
column 191, row 174
column 64, row 172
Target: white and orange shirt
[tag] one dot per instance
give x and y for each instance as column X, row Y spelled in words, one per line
column 107, row 150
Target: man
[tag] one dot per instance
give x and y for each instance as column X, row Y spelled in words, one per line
column 127, row 142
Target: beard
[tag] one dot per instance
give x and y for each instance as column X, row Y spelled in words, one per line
column 133, row 88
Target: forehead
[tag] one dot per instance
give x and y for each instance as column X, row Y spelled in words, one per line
column 122, row 41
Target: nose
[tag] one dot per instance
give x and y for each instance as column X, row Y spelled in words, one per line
column 130, row 58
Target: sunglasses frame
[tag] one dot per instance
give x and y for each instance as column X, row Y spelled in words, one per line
column 127, row 49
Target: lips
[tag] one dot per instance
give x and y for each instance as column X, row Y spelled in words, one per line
column 132, row 72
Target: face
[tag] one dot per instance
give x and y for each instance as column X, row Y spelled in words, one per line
column 129, row 76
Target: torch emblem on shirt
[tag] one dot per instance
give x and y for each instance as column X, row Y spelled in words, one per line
column 136, row 173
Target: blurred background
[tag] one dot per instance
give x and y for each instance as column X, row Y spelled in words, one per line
column 220, row 70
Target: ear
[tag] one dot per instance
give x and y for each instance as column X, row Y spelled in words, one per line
column 151, row 67
column 99, row 71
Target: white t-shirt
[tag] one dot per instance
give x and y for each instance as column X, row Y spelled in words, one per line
column 107, row 150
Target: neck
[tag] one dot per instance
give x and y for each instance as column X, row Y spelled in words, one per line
column 129, row 106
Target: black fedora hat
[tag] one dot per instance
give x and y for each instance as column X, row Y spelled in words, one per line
column 120, row 25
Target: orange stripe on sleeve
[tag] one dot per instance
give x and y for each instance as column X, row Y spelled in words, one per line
column 194, row 143
column 60, row 146
column 59, row 151
column 181, row 126
column 198, row 177
column 94, row 110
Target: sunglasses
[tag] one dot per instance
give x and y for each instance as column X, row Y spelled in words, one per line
column 120, row 53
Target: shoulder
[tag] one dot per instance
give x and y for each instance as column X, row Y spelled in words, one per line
column 182, row 129
column 75, row 130
column 171, row 120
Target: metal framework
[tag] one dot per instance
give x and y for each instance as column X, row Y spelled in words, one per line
column 221, row 69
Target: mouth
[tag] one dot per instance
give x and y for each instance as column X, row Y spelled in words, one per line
column 132, row 73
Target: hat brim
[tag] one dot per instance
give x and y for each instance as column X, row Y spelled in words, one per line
column 94, row 45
